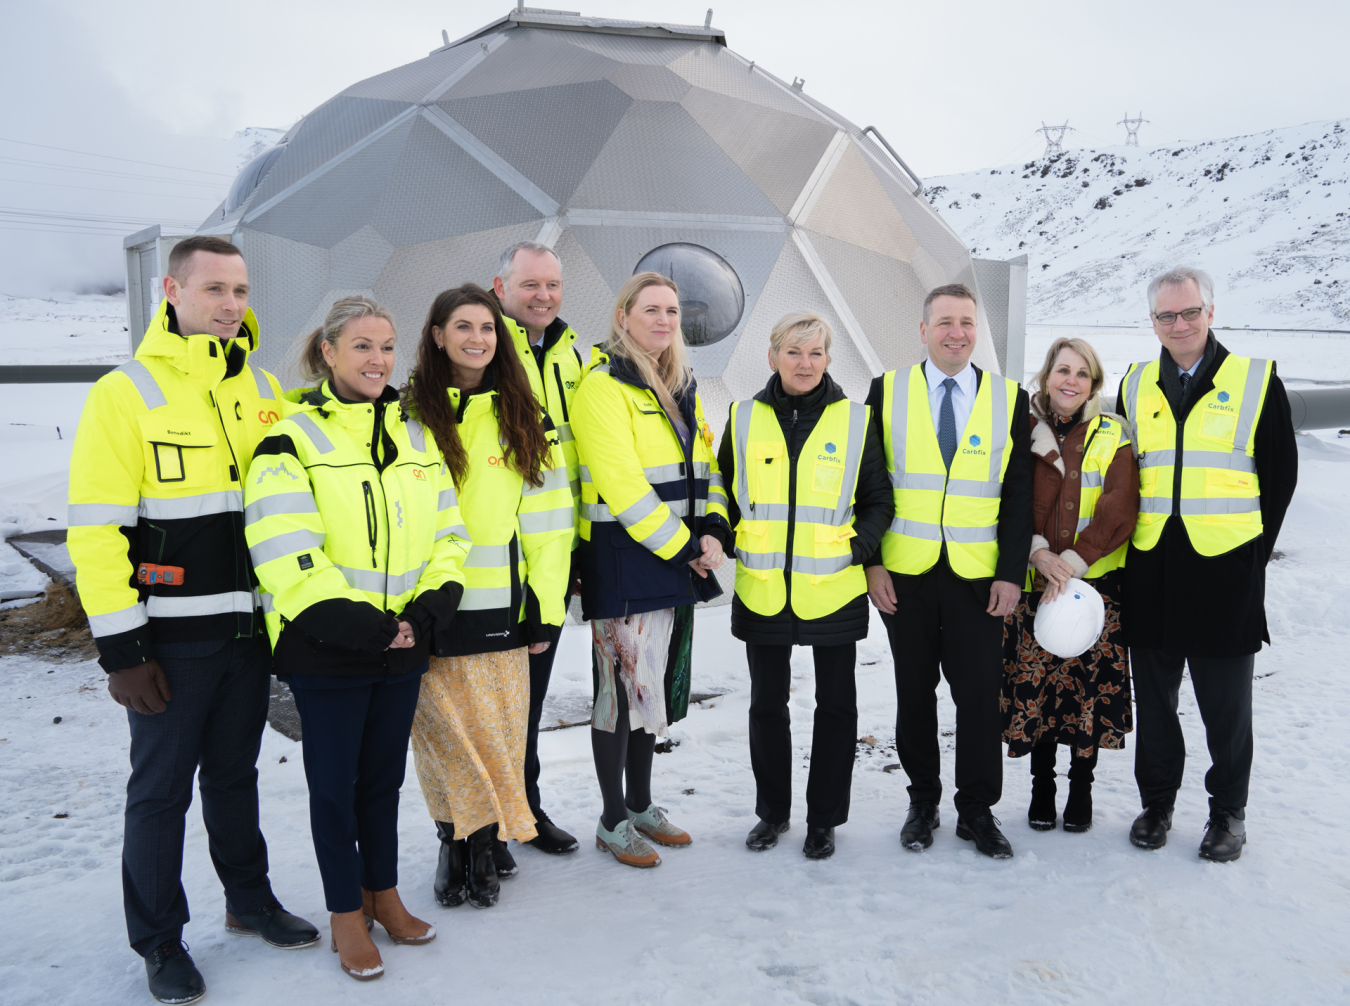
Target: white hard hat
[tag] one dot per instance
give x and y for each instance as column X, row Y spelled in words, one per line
column 1069, row 625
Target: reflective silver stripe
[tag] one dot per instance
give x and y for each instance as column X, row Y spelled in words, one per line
column 714, row 478
column 456, row 529
column 554, row 478
column 565, row 434
column 666, row 473
column 1092, row 479
column 899, row 419
column 970, row 535
column 316, row 436
column 680, row 508
column 181, row 507
column 1155, row 504
column 664, row 534
column 1083, row 522
column 820, row 567
column 829, row 516
column 489, row 556
column 280, row 503
column 703, row 470
column 485, row 598
column 761, row 560
column 717, row 492
column 1222, row 505
column 601, row 369
column 916, row 529
column 918, row 480
column 741, row 446
column 281, row 545
column 1236, row 460
column 769, row 511
column 416, row 435
column 375, row 581
column 1251, row 393
column 266, row 601
column 145, row 383
column 447, row 499
column 977, row 489
column 584, row 473
column 547, row 520
column 857, row 430
column 998, row 388
column 264, row 386
column 700, row 508
column 101, row 514
column 596, row 513
column 206, row 604
column 1132, row 398
column 643, row 508
column 118, row 621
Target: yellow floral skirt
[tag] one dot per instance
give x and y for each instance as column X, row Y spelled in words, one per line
column 468, row 740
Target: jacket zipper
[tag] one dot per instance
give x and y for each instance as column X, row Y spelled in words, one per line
column 238, row 479
column 791, row 523
column 557, row 376
column 372, row 528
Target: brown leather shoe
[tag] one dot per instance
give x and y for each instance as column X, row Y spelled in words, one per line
column 351, row 942
column 386, row 908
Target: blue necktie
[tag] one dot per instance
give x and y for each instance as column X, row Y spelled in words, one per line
column 947, row 425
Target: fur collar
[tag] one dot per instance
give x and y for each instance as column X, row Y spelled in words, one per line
column 1045, row 444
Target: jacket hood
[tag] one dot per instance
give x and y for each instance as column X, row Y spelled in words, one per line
column 162, row 337
column 558, row 333
column 323, row 399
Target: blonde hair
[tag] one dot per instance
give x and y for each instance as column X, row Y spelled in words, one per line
column 314, row 369
column 799, row 329
column 1041, row 396
column 669, row 375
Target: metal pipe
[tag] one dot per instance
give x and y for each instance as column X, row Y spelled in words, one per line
column 1320, row 408
column 918, row 182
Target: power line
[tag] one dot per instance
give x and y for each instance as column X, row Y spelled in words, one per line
column 109, row 157
column 88, row 188
column 1054, row 137
column 24, row 162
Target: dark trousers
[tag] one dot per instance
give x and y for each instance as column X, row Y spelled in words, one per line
column 1223, row 691
column 940, row 622
column 214, row 723
column 541, row 670
column 355, row 741
column 833, row 740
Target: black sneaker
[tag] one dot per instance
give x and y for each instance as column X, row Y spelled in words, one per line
column 550, row 837
column 1224, row 838
column 277, row 927
column 920, row 822
column 171, row 975
column 982, row 829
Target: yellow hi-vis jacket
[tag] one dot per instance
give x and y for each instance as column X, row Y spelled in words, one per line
column 813, row 532
column 645, row 501
column 351, row 516
column 154, row 478
column 1104, row 436
column 1218, row 496
column 932, row 504
column 554, row 387
column 522, row 536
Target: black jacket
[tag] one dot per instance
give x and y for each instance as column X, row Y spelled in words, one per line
column 1212, row 606
column 872, row 509
column 1014, row 508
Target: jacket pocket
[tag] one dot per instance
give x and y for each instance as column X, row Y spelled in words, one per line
column 640, row 574
column 179, row 452
column 765, row 479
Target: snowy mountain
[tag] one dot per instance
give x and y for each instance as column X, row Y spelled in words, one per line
column 1266, row 215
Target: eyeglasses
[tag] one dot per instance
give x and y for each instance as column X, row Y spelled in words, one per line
column 1170, row 317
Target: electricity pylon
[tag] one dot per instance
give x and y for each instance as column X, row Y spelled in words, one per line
column 1054, row 137
column 1132, row 128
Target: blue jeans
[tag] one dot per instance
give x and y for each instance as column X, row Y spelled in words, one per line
column 355, row 739
column 214, row 722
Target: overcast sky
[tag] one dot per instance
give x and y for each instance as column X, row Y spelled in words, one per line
column 954, row 86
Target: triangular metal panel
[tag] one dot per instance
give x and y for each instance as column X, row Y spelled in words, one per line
column 413, row 81
column 294, row 279
column 551, row 135
column 322, row 135
column 631, row 49
column 650, row 83
column 930, row 231
column 587, row 298
column 439, row 190
column 358, row 259
column 776, row 150
column 531, row 59
column 659, row 158
column 853, row 207
column 714, row 68
column 341, row 201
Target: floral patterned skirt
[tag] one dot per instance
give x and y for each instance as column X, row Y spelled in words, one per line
column 468, row 738
column 1083, row 702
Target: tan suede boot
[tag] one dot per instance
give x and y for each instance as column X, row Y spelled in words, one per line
column 386, row 908
column 352, row 943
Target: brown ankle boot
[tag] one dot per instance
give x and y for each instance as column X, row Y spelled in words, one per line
column 351, row 942
column 386, row 908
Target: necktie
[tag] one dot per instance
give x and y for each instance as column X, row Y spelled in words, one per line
column 1185, row 383
column 947, row 425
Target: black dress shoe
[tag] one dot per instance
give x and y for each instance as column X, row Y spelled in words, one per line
column 172, row 976
column 1041, row 814
column 982, row 829
column 450, row 884
column 278, row 927
column 1224, row 838
column 501, row 857
column 819, row 843
column 550, row 837
column 1078, row 808
column 920, row 823
column 1150, row 828
column 764, row 835
column 484, row 888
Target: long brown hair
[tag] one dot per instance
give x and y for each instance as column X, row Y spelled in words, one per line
column 518, row 415
column 669, row 374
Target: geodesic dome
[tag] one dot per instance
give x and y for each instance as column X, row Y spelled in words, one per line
column 617, row 143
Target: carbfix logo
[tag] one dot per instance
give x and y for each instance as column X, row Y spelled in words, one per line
column 829, row 447
column 974, row 440
column 1223, row 396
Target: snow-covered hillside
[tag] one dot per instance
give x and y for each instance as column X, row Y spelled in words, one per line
column 250, row 142
column 1267, row 215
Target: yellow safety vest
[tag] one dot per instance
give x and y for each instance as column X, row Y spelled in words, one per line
column 820, row 526
column 933, row 505
column 1218, row 496
column 1103, row 438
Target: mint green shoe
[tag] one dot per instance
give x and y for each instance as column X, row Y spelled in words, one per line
column 625, row 844
column 652, row 823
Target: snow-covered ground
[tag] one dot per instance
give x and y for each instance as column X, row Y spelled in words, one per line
column 79, row 328
column 1266, row 215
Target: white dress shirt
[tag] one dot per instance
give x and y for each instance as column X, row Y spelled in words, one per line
column 963, row 395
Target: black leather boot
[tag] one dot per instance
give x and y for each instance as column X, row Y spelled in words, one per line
column 917, row 833
column 484, row 888
column 449, row 887
column 1078, row 808
column 501, row 857
column 1150, row 828
column 1224, row 838
column 1041, row 814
